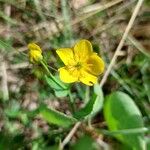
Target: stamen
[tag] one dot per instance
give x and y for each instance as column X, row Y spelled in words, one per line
column 78, row 65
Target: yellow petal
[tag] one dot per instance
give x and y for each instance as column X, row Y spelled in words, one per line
column 95, row 64
column 33, row 46
column 82, row 50
column 87, row 78
column 66, row 55
column 35, row 56
column 66, row 77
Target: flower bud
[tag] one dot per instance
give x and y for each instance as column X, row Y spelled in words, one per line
column 35, row 53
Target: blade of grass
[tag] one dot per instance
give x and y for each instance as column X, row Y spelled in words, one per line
column 138, row 45
column 8, row 19
column 125, row 131
column 67, row 19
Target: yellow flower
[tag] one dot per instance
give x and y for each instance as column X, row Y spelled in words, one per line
column 35, row 53
column 81, row 63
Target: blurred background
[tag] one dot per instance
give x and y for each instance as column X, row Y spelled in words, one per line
column 54, row 24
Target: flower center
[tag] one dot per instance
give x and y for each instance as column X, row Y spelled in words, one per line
column 78, row 65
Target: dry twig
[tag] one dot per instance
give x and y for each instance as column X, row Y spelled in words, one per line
column 128, row 28
column 4, row 84
column 70, row 134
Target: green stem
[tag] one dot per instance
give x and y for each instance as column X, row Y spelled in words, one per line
column 52, row 77
column 71, row 102
column 125, row 131
column 87, row 95
column 49, row 67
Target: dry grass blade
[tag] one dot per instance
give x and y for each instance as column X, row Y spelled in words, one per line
column 128, row 28
column 99, row 6
column 99, row 9
column 138, row 45
column 4, row 84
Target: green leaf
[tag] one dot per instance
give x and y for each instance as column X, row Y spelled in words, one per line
column 58, row 85
column 16, row 141
column 93, row 106
column 56, row 117
column 85, row 142
column 13, row 109
column 99, row 99
column 146, row 77
column 5, row 45
column 85, row 111
column 147, row 143
column 120, row 113
column 62, row 93
column 60, row 89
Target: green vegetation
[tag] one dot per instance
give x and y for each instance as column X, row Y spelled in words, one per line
column 40, row 112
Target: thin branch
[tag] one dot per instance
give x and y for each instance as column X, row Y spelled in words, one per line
column 128, row 28
column 103, row 144
column 70, row 135
column 4, row 84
